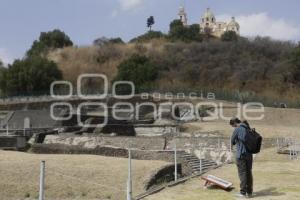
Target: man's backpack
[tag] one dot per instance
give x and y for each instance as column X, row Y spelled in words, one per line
column 253, row 140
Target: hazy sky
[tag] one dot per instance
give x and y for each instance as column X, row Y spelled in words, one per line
column 85, row 20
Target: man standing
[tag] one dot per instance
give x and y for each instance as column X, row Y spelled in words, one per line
column 243, row 158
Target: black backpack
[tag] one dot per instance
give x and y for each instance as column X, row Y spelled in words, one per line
column 253, row 140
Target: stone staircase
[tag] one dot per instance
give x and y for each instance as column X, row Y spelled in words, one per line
column 194, row 163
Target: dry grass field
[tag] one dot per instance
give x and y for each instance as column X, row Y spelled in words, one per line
column 95, row 177
column 275, row 178
column 70, row 176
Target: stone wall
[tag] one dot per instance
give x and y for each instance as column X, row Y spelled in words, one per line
column 213, row 148
column 152, row 131
column 153, row 143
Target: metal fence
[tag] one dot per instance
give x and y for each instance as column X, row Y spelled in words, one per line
column 289, row 146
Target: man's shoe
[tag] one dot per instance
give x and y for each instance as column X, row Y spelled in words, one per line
column 249, row 196
column 240, row 195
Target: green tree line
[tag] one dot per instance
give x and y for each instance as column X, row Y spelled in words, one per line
column 34, row 73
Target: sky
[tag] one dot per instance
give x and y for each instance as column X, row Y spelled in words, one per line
column 22, row 21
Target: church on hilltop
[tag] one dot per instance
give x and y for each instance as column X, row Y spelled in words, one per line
column 208, row 22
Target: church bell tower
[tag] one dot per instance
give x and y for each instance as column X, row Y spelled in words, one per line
column 183, row 16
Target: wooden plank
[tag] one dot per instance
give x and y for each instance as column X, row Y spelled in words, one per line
column 213, row 180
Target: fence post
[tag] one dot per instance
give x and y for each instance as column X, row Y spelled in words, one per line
column 230, row 146
column 42, row 181
column 175, row 160
column 129, row 181
column 200, row 160
column 294, row 149
column 290, row 148
column 297, row 151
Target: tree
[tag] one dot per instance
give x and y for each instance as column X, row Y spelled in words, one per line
column 138, row 69
column 31, row 75
column 103, row 41
column 177, row 29
column 229, row 36
column 48, row 41
column 150, row 22
column 117, row 40
column 193, row 33
column 2, row 77
column 187, row 34
column 296, row 62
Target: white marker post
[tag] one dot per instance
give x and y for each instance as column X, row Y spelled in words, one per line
column 290, row 149
column 42, row 181
column 129, row 181
column 175, row 160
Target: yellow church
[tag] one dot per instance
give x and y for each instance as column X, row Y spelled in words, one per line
column 208, row 22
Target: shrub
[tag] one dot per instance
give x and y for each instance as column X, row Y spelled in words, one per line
column 138, row 69
column 117, row 40
column 229, row 36
column 103, row 41
column 259, row 65
column 150, row 35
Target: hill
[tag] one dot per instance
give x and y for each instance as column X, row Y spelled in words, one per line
column 258, row 69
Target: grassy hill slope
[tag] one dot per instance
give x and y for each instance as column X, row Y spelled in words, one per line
column 259, row 67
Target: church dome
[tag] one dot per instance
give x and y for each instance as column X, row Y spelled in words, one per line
column 233, row 24
column 208, row 14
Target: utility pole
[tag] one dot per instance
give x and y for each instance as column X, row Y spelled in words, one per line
column 129, row 181
column 42, row 181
